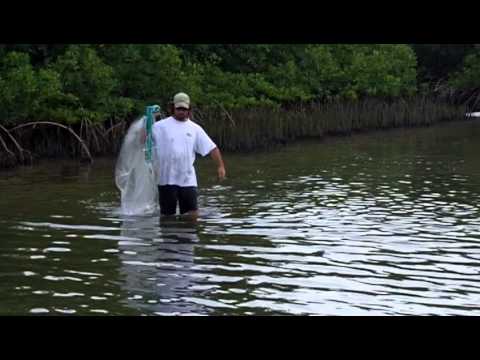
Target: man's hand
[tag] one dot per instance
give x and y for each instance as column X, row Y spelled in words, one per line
column 221, row 173
column 217, row 157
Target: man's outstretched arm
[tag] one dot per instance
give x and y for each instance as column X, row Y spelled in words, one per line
column 217, row 157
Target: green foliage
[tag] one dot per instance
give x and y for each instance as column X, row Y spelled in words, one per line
column 438, row 61
column 40, row 54
column 25, row 93
column 469, row 77
column 339, row 87
column 321, row 72
column 145, row 73
column 382, row 71
column 70, row 83
column 88, row 84
column 243, row 58
column 288, row 83
column 213, row 84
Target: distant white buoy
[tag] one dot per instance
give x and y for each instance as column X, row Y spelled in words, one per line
column 474, row 114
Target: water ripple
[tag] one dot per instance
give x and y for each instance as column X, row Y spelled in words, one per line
column 379, row 227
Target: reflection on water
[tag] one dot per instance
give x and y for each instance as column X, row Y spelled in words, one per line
column 377, row 224
column 157, row 264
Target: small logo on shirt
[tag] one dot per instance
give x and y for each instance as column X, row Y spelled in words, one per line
column 188, row 134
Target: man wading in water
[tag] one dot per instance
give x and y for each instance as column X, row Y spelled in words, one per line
column 176, row 140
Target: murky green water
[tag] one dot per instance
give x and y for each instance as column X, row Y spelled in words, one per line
column 377, row 224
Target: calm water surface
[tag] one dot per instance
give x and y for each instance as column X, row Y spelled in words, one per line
column 386, row 223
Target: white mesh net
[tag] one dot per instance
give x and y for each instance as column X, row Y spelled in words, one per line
column 134, row 177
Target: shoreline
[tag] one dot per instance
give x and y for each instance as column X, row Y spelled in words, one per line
column 110, row 157
column 238, row 130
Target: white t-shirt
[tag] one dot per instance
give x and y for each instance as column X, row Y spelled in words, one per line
column 176, row 143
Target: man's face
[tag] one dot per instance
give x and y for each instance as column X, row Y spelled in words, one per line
column 181, row 113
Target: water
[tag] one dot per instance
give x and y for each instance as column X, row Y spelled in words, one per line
column 384, row 223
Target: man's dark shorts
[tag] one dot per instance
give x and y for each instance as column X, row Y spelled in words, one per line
column 169, row 195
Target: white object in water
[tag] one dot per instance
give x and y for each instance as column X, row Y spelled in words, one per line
column 134, row 177
column 473, row 114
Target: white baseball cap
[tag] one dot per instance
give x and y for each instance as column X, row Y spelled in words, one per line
column 181, row 100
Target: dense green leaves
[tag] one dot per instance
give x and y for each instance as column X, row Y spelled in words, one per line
column 437, row 61
column 71, row 83
column 469, row 76
column 25, row 93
